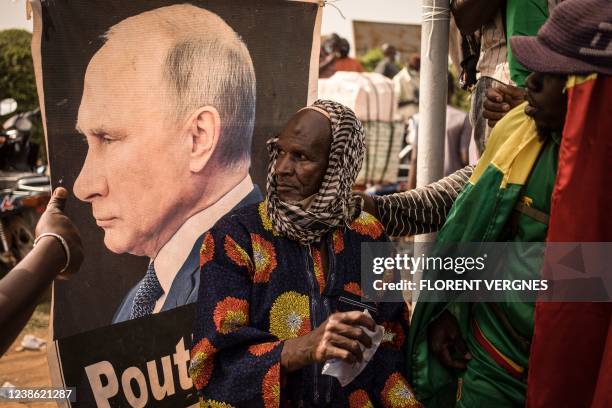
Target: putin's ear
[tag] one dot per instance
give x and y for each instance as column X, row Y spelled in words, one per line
column 204, row 131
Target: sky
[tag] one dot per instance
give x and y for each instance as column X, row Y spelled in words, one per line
column 12, row 14
column 384, row 11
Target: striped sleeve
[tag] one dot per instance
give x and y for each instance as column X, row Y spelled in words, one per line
column 424, row 209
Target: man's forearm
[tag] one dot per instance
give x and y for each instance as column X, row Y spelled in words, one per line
column 422, row 210
column 12, row 328
column 470, row 15
column 28, row 279
column 295, row 354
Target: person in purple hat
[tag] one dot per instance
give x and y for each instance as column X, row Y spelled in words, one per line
column 577, row 42
column 481, row 354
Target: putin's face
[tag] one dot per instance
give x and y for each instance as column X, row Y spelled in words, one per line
column 136, row 167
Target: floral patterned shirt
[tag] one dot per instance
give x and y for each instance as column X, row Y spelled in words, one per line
column 259, row 289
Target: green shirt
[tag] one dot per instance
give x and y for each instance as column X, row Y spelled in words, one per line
column 521, row 263
column 523, row 17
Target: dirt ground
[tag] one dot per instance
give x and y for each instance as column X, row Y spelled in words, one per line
column 28, row 368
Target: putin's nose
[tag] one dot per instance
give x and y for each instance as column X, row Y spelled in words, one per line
column 91, row 182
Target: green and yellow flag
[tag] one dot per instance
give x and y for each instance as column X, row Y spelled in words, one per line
column 479, row 215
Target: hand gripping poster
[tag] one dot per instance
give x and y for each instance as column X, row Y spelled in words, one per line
column 156, row 115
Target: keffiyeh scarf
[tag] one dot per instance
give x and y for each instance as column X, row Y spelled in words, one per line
column 334, row 204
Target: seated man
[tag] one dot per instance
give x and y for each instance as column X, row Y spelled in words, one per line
column 281, row 294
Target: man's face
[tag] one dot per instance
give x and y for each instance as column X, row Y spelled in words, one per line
column 415, row 62
column 391, row 53
column 547, row 102
column 137, row 160
column 303, row 153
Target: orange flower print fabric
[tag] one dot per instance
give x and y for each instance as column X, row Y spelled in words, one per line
column 237, row 254
column 318, row 269
column 338, row 241
column 290, row 316
column 368, row 225
column 259, row 290
column 265, row 219
column 263, row 348
column 207, row 250
column 354, row 288
column 360, row 399
column 231, row 314
column 398, row 394
column 271, row 388
column 265, row 258
column 201, row 366
column 394, row 335
column 214, row 404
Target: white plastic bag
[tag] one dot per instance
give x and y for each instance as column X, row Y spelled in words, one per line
column 345, row 372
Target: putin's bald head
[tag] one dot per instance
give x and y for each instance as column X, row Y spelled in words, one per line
column 203, row 63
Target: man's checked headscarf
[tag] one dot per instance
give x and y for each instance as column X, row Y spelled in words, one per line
column 334, row 205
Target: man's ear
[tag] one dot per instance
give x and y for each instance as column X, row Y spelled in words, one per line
column 204, row 127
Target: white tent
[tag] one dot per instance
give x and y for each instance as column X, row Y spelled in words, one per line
column 371, row 96
column 368, row 94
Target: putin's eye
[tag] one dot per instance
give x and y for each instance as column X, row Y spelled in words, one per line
column 106, row 139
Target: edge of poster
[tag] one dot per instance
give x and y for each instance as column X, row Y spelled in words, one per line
column 313, row 76
column 53, row 360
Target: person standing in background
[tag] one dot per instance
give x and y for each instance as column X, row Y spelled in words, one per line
column 484, row 16
column 458, row 135
column 344, row 62
column 406, row 86
column 388, row 66
column 327, row 56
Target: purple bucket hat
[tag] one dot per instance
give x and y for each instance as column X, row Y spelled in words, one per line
column 576, row 39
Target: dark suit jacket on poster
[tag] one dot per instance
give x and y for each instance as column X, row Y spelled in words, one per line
column 184, row 289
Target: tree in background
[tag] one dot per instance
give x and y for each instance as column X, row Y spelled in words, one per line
column 371, row 58
column 16, row 70
column 17, row 78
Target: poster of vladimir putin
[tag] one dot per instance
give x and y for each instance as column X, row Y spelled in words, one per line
column 156, row 116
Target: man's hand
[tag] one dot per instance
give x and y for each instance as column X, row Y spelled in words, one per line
column 53, row 220
column 500, row 100
column 369, row 205
column 337, row 337
column 444, row 337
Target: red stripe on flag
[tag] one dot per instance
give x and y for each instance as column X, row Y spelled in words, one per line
column 505, row 362
column 571, row 353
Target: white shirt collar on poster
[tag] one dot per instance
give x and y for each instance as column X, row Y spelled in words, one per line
column 175, row 252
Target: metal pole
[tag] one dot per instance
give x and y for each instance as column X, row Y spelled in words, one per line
column 432, row 95
column 432, row 107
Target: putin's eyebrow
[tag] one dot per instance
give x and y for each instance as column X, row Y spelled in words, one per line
column 102, row 131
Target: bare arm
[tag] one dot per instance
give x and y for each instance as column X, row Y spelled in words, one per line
column 470, row 15
column 24, row 284
column 21, row 288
